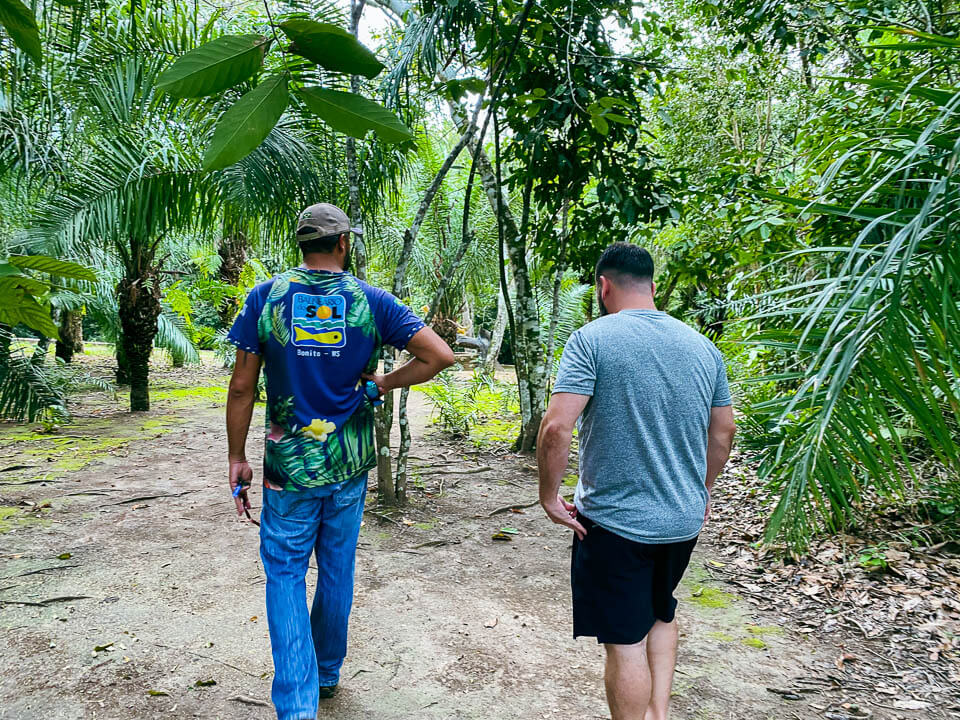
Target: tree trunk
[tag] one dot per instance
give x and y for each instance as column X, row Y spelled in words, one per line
column 390, row 489
column 71, row 335
column 528, row 353
column 499, row 328
column 123, row 365
column 138, row 298
column 527, row 380
column 383, row 424
column 404, row 450
column 233, row 257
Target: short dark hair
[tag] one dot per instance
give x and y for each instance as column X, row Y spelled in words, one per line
column 625, row 261
column 324, row 244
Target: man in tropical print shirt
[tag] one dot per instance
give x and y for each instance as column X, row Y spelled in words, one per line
column 317, row 331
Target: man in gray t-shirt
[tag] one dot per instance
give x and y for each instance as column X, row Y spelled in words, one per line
column 655, row 429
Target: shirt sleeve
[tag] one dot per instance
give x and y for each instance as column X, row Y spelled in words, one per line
column 396, row 322
column 721, row 389
column 244, row 333
column 578, row 370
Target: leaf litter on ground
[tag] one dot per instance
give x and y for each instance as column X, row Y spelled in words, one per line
column 892, row 608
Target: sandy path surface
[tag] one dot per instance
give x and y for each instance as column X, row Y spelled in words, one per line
column 136, row 594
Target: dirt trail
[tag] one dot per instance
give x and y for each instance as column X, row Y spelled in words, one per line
column 136, row 590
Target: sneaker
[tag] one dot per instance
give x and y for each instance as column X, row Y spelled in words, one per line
column 328, row 691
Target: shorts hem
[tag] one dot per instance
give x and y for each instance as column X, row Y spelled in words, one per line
column 603, row 639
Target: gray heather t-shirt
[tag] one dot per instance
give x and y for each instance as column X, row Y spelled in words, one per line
column 643, row 435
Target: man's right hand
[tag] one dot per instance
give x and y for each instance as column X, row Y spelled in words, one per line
column 564, row 513
column 241, row 474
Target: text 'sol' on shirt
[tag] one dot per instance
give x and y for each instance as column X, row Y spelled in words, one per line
column 643, row 435
column 317, row 332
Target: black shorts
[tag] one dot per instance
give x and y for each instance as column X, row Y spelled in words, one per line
column 621, row 587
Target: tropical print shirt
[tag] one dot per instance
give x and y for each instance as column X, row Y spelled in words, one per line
column 316, row 332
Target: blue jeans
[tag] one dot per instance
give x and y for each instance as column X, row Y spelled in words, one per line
column 308, row 649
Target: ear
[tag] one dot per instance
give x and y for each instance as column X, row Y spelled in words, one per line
column 603, row 285
column 653, row 288
column 343, row 242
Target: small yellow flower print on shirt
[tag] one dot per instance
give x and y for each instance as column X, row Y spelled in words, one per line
column 318, row 429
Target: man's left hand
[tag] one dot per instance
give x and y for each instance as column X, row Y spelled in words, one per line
column 383, row 385
column 564, row 513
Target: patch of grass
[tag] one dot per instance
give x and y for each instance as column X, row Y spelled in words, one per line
column 200, row 393
column 68, row 454
column 87, row 440
column 98, row 349
column 570, row 480
column 13, row 518
column 754, row 642
column 720, row 636
column 162, row 425
column 494, row 431
column 711, row 597
column 761, row 630
column 425, row 525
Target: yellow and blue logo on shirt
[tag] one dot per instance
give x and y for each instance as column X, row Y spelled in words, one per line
column 319, row 320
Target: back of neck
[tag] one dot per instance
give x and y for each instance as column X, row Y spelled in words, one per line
column 636, row 302
column 321, row 261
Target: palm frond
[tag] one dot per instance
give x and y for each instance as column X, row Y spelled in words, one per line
column 172, row 336
column 876, row 394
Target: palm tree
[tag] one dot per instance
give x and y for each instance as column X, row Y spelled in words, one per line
column 134, row 179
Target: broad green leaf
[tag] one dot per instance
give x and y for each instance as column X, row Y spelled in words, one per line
column 331, row 47
column 20, row 22
column 214, row 66
column 602, row 126
column 8, row 269
column 244, row 126
column 63, row 268
column 31, row 313
column 354, row 115
column 32, row 286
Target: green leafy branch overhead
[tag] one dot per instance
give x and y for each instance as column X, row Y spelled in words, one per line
column 231, row 60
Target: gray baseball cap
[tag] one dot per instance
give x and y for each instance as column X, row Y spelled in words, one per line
column 323, row 220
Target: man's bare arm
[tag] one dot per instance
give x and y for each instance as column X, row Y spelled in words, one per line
column 240, row 397
column 719, row 441
column 430, row 355
column 553, row 453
